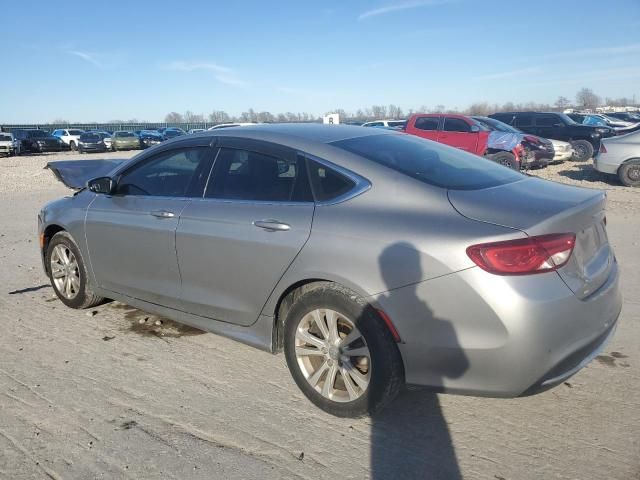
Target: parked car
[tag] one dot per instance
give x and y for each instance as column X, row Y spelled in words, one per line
column 562, row 151
column 149, row 138
column 620, row 156
column 386, row 124
column 8, row 144
column 70, row 137
column 91, row 142
column 619, row 127
column 37, row 141
column 124, row 140
column 235, row 124
column 558, row 126
column 172, row 132
column 467, row 134
column 626, row 116
column 476, row 279
column 535, row 152
column 197, row 130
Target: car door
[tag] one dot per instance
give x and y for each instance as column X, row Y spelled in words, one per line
column 235, row 244
column 457, row 132
column 547, row 125
column 131, row 233
column 426, row 127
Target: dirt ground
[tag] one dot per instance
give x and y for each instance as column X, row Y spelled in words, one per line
column 109, row 393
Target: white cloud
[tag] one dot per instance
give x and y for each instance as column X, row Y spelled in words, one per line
column 400, row 6
column 87, row 57
column 583, row 52
column 231, row 80
column 192, row 66
column 512, row 73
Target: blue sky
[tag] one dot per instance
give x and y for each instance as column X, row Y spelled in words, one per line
column 98, row 61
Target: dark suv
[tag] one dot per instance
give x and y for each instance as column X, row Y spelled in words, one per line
column 37, row 141
column 585, row 139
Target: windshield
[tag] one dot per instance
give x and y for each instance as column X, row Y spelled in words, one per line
column 38, row 134
column 594, row 121
column 89, row 136
column 566, row 118
column 430, row 162
column 493, row 124
column 124, row 134
column 76, row 132
column 5, row 138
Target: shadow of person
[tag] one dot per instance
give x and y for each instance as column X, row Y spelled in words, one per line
column 410, row 438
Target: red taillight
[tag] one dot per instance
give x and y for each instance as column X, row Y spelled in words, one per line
column 539, row 254
column 603, row 149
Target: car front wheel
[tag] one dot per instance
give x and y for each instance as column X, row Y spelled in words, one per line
column 629, row 173
column 340, row 353
column 68, row 273
column 582, row 149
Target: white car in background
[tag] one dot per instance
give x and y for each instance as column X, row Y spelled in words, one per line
column 563, row 151
column 8, row 144
column 386, row 124
column 236, row 124
column 196, row 130
column 69, row 137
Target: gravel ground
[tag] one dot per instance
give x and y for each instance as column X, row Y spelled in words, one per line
column 109, row 393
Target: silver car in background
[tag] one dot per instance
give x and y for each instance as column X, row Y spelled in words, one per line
column 620, row 156
column 371, row 257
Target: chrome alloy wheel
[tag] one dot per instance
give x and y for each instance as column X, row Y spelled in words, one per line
column 333, row 355
column 65, row 271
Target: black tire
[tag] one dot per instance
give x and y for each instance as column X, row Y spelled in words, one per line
column 506, row 159
column 85, row 296
column 629, row 173
column 387, row 369
column 72, row 146
column 80, row 150
column 583, row 150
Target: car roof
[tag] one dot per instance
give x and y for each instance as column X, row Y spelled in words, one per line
column 281, row 132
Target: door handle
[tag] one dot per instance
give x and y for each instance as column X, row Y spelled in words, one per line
column 272, row 225
column 163, row 214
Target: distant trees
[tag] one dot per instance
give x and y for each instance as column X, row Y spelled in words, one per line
column 585, row 98
column 562, row 103
column 173, row 117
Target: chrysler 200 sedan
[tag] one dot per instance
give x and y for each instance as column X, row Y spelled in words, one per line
column 373, row 258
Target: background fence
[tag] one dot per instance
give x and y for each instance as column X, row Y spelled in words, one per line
column 111, row 127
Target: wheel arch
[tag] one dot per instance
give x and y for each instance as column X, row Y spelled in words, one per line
column 47, row 235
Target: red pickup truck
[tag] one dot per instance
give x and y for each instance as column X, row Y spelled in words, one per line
column 509, row 148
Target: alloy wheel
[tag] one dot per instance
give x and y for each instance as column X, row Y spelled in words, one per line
column 333, row 355
column 65, row 271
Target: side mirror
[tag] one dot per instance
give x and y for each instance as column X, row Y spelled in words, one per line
column 104, row 185
column 475, row 128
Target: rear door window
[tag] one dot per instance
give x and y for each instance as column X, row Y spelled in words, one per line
column 240, row 174
column 546, row 120
column 430, row 162
column 525, row 120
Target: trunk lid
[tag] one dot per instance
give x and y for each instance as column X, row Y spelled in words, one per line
column 539, row 207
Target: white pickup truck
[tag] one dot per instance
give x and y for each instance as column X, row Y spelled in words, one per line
column 69, row 137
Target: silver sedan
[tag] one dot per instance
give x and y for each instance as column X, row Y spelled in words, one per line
column 620, row 156
column 373, row 258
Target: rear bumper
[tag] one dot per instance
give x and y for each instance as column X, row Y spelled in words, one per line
column 480, row 334
column 93, row 148
column 605, row 164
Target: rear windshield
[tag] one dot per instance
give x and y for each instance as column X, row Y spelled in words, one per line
column 125, row 134
column 430, row 162
column 75, row 132
column 37, row 134
column 89, row 136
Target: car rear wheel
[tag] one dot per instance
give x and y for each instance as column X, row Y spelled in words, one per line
column 629, row 173
column 68, row 273
column 582, row 151
column 506, row 159
column 72, row 145
column 340, row 353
